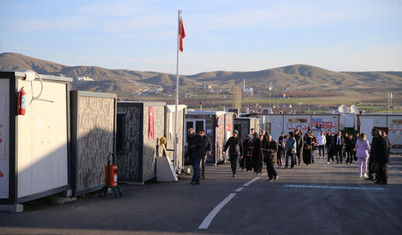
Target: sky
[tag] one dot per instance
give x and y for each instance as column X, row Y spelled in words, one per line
column 221, row 35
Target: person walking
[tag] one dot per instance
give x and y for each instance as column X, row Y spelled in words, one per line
column 247, row 148
column 207, row 152
column 281, row 148
column 329, row 139
column 338, row 141
column 321, row 142
column 290, row 150
column 307, row 148
column 350, row 149
column 195, row 152
column 299, row 145
column 314, row 145
column 356, row 137
column 380, row 152
column 235, row 150
column 372, row 163
column 257, row 153
column 362, row 147
column 251, row 135
column 269, row 148
column 345, row 140
column 387, row 156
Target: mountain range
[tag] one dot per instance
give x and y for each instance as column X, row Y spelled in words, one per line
column 126, row 83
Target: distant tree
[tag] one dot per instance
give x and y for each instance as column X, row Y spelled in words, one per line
column 237, row 97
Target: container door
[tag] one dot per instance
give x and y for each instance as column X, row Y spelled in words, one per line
column 4, row 137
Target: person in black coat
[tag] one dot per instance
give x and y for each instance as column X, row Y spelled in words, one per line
column 307, row 149
column 195, row 152
column 257, row 153
column 247, row 148
column 330, row 146
column 350, row 148
column 207, row 152
column 281, row 148
column 235, row 150
column 299, row 145
column 381, row 151
column 372, row 163
column 269, row 148
column 339, row 142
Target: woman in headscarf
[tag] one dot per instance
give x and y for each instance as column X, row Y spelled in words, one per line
column 257, row 153
column 248, row 148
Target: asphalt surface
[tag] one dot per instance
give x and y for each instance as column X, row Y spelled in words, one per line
column 315, row 199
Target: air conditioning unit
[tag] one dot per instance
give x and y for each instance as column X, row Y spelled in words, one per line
column 267, row 111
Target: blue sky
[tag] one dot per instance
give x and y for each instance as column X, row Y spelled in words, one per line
column 229, row 35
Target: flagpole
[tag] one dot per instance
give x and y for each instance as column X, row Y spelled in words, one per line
column 175, row 139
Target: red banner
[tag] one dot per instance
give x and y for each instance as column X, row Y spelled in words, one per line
column 151, row 123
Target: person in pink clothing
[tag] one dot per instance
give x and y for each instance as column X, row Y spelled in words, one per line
column 362, row 153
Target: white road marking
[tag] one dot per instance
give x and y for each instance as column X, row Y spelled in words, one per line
column 207, row 221
column 251, row 181
column 215, row 211
column 334, row 187
column 394, row 169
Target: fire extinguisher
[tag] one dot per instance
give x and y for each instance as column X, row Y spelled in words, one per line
column 21, row 101
column 218, row 122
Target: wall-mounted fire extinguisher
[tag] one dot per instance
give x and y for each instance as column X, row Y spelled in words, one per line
column 21, row 101
column 218, row 122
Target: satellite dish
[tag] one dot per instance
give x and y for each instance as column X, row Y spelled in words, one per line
column 354, row 109
column 342, row 109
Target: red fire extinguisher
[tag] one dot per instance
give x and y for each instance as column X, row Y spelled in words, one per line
column 21, row 102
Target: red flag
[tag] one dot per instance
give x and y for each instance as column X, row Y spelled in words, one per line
column 151, row 123
column 182, row 34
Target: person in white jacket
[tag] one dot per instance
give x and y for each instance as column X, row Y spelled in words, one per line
column 321, row 141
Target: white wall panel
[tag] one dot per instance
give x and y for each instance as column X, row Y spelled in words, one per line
column 42, row 138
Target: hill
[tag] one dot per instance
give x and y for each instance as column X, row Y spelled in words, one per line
column 302, row 78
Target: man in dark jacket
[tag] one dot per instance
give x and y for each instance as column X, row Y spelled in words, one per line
column 330, row 146
column 339, row 142
column 372, row 164
column 195, row 151
column 299, row 145
column 269, row 148
column 207, row 152
column 381, row 152
column 235, row 150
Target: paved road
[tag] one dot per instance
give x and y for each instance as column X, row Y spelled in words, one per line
column 315, row 199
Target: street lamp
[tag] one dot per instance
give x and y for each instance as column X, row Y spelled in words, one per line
column 270, row 90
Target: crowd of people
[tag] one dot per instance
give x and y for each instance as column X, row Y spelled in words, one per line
column 293, row 149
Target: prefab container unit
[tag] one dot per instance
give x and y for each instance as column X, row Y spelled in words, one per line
column 140, row 125
column 229, row 125
column 34, row 148
column 389, row 122
column 93, row 136
column 218, row 126
column 276, row 123
column 244, row 124
column 348, row 121
column 169, row 132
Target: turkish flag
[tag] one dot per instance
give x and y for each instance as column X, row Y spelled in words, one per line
column 182, row 34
